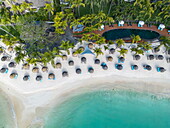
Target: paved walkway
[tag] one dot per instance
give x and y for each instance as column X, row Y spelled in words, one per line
column 134, row 26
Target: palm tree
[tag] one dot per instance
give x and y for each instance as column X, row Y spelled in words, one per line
column 135, row 39
column 98, row 51
column 66, row 45
column 145, row 46
column 78, row 51
column 77, row 4
column 120, row 43
column 137, row 51
column 164, row 41
column 123, row 51
column 49, row 8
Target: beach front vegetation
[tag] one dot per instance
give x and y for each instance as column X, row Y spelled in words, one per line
column 41, row 35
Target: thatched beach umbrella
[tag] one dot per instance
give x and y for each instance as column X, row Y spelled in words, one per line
column 26, row 78
column 134, row 67
column 4, row 58
column 121, row 59
column 90, row 45
column 4, row 70
column 119, row 66
column 156, row 50
column 13, row 75
column 82, row 48
column 71, row 63
column 150, row 57
column 25, row 66
column 90, row 70
column 83, row 60
column 78, row 71
column 1, row 50
column 74, row 54
column 136, row 57
column 161, row 69
column 65, row 74
column 147, row 67
column 160, row 57
column 58, row 65
column 64, row 57
column 35, row 70
column 109, row 58
column 39, row 78
column 12, row 64
column 10, row 49
column 112, row 51
column 105, row 67
column 45, row 69
column 168, row 52
column 51, row 76
column 97, row 61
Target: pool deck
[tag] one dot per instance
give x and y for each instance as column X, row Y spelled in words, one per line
column 134, row 26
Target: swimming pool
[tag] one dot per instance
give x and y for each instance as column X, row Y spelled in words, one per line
column 126, row 33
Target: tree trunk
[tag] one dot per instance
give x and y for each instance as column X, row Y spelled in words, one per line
column 110, row 8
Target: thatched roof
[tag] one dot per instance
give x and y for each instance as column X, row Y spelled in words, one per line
column 4, row 58
column 12, row 64
column 105, row 67
column 151, row 57
column 74, row 54
column 135, row 67
column 97, row 61
column 64, row 57
column 90, row 70
column 119, row 66
column 156, row 50
column 83, row 59
column 122, row 59
column 161, row 69
column 148, row 67
column 65, row 74
column 58, row 65
column 90, row 45
column 39, row 78
column 112, row 51
column 160, row 57
column 44, row 69
column 78, row 71
column 26, row 77
column 35, row 70
column 3, row 70
column 51, row 76
column 13, row 75
column 109, row 58
column 10, row 49
column 26, row 66
column 137, row 57
column 71, row 63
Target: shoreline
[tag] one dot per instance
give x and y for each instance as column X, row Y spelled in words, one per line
column 34, row 105
column 31, row 99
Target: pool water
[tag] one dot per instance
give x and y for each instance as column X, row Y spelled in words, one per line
column 125, row 33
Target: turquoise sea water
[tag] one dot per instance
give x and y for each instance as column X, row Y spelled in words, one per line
column 6, row 115
column 111, row 109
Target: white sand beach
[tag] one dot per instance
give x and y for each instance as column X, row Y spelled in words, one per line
column 32, row 98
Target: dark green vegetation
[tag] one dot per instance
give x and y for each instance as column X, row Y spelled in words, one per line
column 36, row 41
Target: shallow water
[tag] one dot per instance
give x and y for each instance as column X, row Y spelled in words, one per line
column 111, row 109
column 6, row 115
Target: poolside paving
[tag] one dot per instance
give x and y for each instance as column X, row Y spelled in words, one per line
column 134, row 26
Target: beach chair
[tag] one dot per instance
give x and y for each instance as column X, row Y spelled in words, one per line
column 168, row 31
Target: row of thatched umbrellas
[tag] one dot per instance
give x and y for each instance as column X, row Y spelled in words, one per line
column 51, row 76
